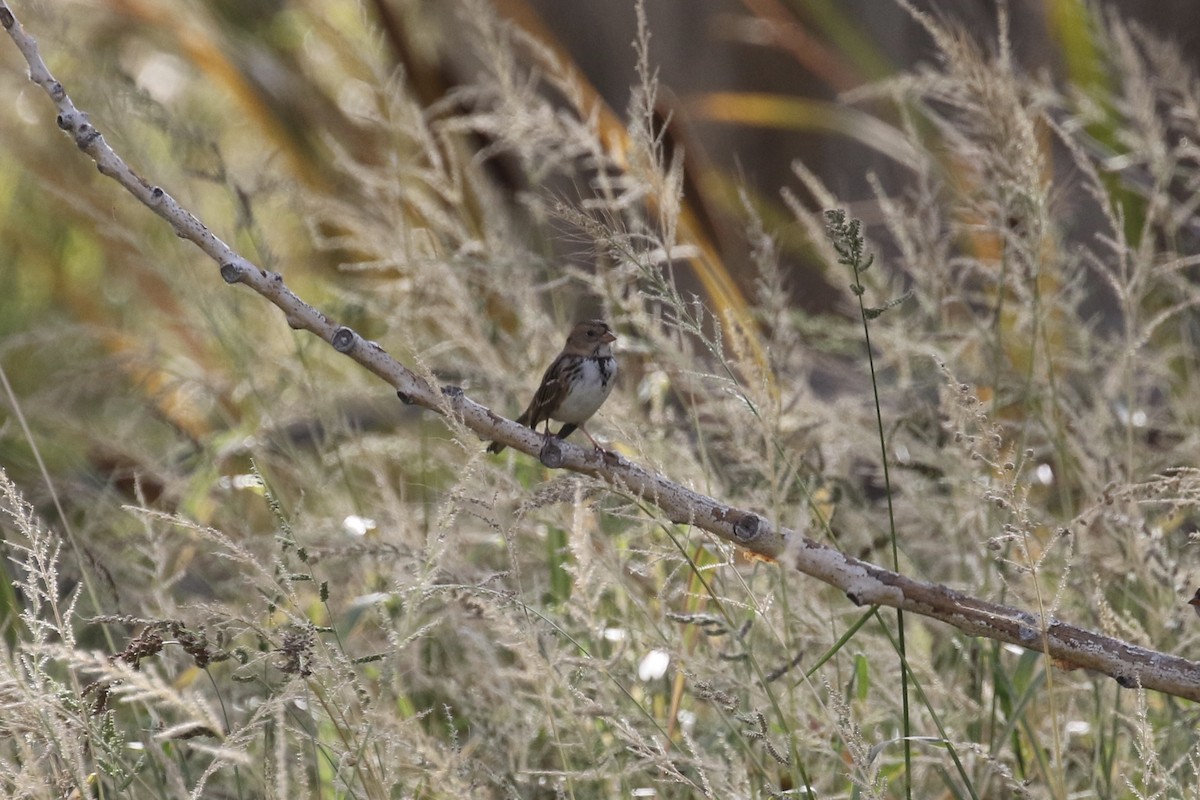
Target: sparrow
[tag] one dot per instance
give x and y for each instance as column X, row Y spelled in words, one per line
column 1195, row 602
column 576, row 383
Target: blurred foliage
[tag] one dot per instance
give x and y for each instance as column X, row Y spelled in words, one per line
column 275, row 577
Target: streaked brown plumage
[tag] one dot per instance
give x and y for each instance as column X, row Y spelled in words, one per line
column 575, row 384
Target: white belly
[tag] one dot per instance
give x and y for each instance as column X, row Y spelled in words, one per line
column 589, row 394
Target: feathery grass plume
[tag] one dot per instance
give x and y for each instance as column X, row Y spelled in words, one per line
column 406, row 618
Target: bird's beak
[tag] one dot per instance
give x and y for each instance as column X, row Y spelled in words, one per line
column 1195, row 601
column 608, row 337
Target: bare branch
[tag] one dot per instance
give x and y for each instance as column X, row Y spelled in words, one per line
column 862, row 582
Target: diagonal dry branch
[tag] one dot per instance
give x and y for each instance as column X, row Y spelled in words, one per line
column 863, row 583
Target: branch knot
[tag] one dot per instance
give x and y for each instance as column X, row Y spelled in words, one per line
column 344, row 339
column 747, row 528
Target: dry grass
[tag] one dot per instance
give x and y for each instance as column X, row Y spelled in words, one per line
column 263, row 580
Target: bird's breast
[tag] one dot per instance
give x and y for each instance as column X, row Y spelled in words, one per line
column 589, row 391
